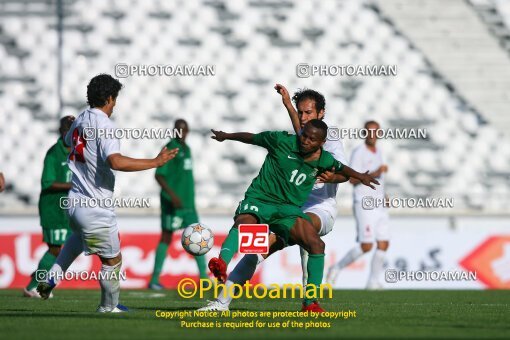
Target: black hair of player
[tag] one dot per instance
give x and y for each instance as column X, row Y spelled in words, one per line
column 371, row 122
column 65, row 124
column 180, row 121
column 317, row 97
column 320, row 125
column 100, row 88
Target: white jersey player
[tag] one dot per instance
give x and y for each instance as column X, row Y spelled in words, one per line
column 321, row 203
column 372, row 221
column 93, row 160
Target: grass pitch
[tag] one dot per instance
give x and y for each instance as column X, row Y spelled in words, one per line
column 391, row 314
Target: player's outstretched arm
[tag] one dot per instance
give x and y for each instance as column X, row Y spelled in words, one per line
column 376, row 174
column 123, row 163
column 59, row 186
column 294, row 118
column 243, row 137
column 365, row 178
column 331, row 176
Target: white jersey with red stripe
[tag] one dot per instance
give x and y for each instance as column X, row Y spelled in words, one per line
column 92, row 175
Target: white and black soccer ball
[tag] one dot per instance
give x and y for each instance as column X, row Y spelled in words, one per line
column 197, row 239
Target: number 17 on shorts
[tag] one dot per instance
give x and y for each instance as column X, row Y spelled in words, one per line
column 254, row 238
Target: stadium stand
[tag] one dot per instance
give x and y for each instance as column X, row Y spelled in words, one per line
column 251, row 51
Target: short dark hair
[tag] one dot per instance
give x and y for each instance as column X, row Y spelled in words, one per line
column 318, row 98
column 65, row 123
column 371, row 122
column 100, row 88
column 180, row 121
column 319, row 124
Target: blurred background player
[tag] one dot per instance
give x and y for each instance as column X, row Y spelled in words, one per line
column 93, row 164
column 55, row 184
column 372, row 221
column 177, row 200
column 321, row 203
column 2, row 182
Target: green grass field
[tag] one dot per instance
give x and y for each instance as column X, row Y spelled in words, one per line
column 392, row 314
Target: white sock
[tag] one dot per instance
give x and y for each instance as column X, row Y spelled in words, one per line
column 110, row 285
column 376, row 266
column 304, row 265
column 73, row 247
column 242, row 272
column 350, row 257
column 223, row 296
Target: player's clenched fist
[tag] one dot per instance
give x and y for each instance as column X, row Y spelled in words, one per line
column 165, row 155
column 220, row 136
column 283, row 92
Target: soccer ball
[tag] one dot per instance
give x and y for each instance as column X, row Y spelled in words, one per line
column 197, row 239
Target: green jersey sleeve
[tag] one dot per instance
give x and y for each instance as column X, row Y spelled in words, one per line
column 166, row 169
column 338, row 165
column 330, row 162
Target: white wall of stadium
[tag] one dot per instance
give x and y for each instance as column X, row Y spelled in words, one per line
column 427, row 244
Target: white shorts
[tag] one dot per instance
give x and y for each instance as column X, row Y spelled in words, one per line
column 98, row 228
column 327, row 221
column 371, row 224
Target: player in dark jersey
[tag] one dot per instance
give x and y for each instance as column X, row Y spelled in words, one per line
column 177, row 200
column 282, row 186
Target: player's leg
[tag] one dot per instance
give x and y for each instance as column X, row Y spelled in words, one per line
column 47, row 260
column 365, row 239
column 316, row 223
column 350, row 257
column 246, row 267
column 230, row 246
column 109, row 280
column 159, row 260
column 322, row 223
column 377, row 265
column 73, row 247
column 218, row 265
column 242, row 272
column 382, row 237
column 168, row 219
column 106, row 233
column 106, row 244
column 305, row 235
column 54, row 238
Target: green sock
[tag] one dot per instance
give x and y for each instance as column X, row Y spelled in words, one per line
column 230, row 245
column 201, row 266
column 315, row 270
column 158, row 262
column 46, row 262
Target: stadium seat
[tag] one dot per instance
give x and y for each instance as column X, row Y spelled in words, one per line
column 250, row 53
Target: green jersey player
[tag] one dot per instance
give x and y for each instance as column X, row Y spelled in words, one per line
column 55, row 185
column 177, row 200
column 276, row 195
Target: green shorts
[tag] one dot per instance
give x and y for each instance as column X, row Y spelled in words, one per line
column 56, row 236
column 279, row 217
column 176, row 219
